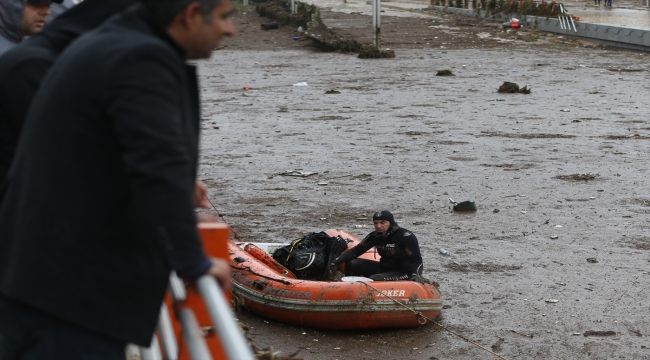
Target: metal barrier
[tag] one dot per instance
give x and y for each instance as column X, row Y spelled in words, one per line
column 230, row 335
column 229, row 332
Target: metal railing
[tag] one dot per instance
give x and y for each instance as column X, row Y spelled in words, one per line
column 227, row 329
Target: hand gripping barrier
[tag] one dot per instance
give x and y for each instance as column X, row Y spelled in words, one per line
column 202, row 318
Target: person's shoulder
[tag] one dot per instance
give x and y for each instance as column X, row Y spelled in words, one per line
column 128, row 33
column 22, row 68
column 25, row 56
column 116, row 49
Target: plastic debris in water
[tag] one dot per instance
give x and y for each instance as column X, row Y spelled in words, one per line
column 465, row 206
column 445, row 252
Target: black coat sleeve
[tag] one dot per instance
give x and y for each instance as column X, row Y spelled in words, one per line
column 413, row 251
column 356, row 251
column 146, row 114
column 17, row 89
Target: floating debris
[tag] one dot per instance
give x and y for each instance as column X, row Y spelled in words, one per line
column 444, row 73
column 298, row 173
column 269, row 26
column 578, row 177
column 625, row 70
column 512, row 88
column 363, row 177
column 465, row 206
column 599, row 333
column 372, row 52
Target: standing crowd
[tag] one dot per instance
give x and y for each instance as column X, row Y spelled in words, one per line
column 99, row 134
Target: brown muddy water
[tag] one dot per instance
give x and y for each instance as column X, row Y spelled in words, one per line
column 560, row 176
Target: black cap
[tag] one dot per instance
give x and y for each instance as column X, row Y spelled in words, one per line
column 384, row 215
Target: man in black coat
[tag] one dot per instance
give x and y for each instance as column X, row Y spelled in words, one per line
column 98, row 206
column 23, row 67
column 399, row 250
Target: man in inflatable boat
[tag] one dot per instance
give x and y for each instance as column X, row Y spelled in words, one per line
column 398, row 248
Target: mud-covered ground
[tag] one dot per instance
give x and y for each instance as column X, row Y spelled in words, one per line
column 398, row 137
column 425, row 29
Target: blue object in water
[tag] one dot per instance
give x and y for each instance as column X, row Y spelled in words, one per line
column 445, row 252
column 296, row 37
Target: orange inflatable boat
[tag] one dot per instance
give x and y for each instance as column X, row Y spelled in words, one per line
column 273, row 292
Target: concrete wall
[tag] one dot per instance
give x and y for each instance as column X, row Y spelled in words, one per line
column 630, row 38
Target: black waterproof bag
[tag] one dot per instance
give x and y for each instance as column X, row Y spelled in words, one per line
column 308, row 258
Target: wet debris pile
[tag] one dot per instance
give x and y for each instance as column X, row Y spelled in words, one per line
column 308, row 17
column 511, row 167
column 465, row 206
column 269, row 354
column 266, row 354
column 444, row 73
column 298, row 173
column 525, row 136
column 626, row 137
column 372, row 52
column 625, row 70
column 578, row 177
column 638, row 243
column 480, row 266
column 497, row 346
column 525, row 7
column 363, row 177
column 512, row 88
column 281, row 13
column 599, row 333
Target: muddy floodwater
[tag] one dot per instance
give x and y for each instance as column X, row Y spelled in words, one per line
column 555, row 264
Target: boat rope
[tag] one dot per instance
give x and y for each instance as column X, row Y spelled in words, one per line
column 246, row 268
column 223, row 217
column 419, row 315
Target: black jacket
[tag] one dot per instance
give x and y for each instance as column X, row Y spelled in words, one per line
column 98, row 207
column 23, row 67
column 398, row 248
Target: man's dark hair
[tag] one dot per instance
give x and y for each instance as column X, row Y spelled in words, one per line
column 164, row 11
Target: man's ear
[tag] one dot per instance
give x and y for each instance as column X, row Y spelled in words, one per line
column 191, row 17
